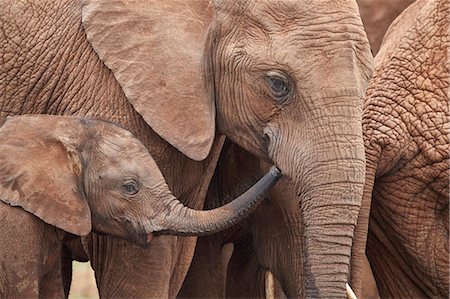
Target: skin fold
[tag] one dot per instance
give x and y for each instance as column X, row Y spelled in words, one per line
column 177, row 74
column 406, row 132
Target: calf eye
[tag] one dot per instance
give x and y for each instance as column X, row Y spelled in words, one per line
column 279, row 85
column 131, row 187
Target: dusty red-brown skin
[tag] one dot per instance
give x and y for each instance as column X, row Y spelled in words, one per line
column 406, row 131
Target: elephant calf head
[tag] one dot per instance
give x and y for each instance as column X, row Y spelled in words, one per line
column 78, row 173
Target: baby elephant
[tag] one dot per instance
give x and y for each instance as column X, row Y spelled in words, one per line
column 70, row 175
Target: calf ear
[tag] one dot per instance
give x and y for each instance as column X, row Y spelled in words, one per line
column 40, row 171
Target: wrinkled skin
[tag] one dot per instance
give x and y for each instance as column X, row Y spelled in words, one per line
column 240, row 277
column 261, row 66
column 406, row 128
column 315, row 173
column 377, row 15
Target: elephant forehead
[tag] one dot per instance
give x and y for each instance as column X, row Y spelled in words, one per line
column 120, row 149
column 285, row 9
column 122, row 156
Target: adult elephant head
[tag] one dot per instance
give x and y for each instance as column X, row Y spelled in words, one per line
column 287, row 80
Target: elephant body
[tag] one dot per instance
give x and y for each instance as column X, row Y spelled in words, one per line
column 174, row 72
column 377, row 15
column 406, row 131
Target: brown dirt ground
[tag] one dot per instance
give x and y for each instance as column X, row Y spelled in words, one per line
column 83, row 282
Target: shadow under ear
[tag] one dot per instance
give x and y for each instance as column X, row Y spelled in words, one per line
column 41, row 173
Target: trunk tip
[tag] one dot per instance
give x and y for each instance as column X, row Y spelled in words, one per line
column 275, row 171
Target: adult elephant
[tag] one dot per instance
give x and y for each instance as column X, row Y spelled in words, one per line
column 173, row 71
column 406, row 131
column 377, row 15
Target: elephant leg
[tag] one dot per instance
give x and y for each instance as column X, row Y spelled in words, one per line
column 51, row 280
column 50, row 284
column 244, row 271
column 72, row 249
column 277, row 233
column 245, row 276
column 122, row 268
column 66, row 270
column 369, row 287
column 206, row 276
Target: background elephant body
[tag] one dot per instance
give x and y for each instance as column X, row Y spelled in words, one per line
column 406, row 125
column 261, row 73
column 377, row 15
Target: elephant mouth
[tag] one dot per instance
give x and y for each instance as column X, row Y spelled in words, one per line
column 142, row 240
column 138, row 236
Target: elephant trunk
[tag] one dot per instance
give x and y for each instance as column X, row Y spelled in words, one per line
column 328, row 240
column 328, row 172
column 178, row 219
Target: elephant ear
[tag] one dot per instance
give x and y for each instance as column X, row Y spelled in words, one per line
column 41, row 173
column 155, row 51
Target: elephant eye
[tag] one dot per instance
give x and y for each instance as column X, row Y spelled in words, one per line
column 279, row 85
column 130, row 187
